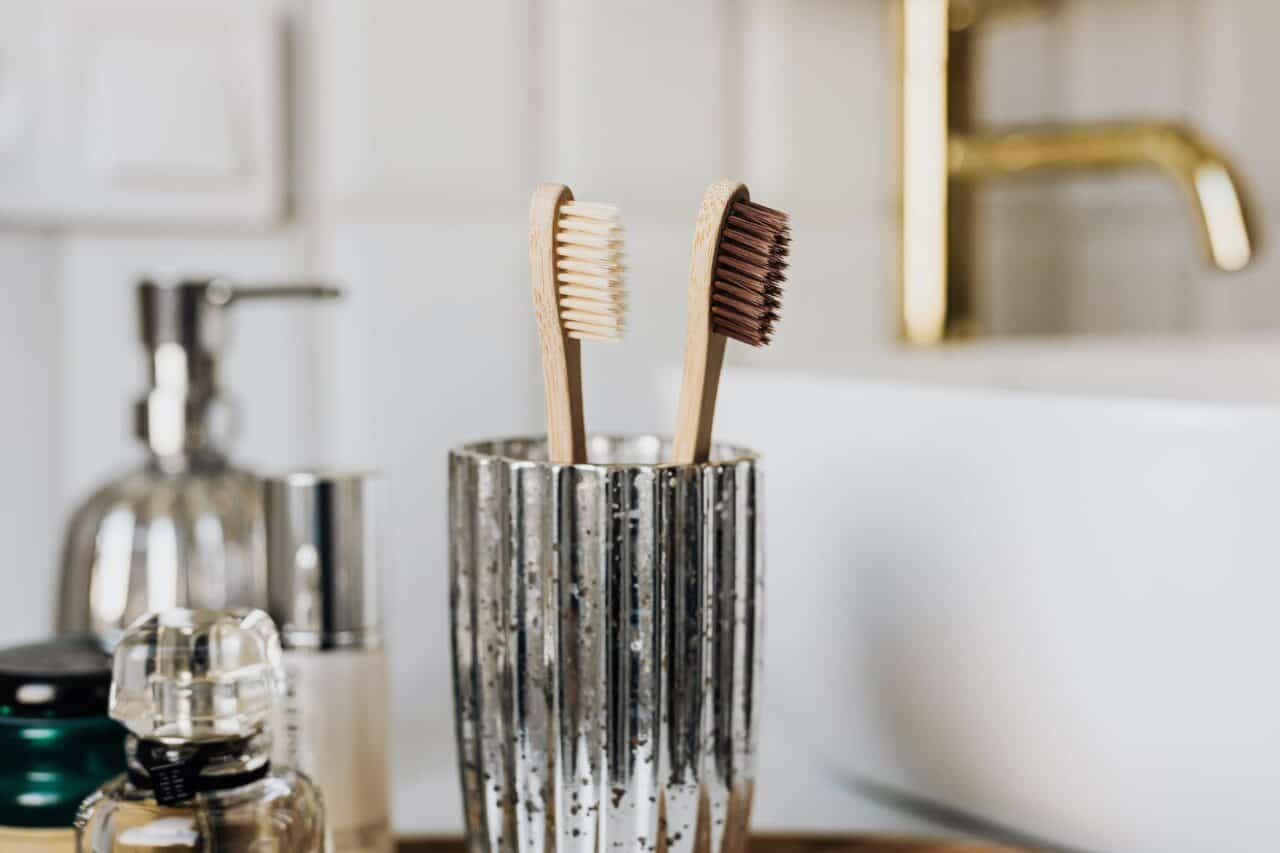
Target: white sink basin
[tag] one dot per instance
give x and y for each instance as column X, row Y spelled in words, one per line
column 1057, row 613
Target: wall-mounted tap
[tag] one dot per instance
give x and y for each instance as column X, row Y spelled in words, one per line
column 943, row 151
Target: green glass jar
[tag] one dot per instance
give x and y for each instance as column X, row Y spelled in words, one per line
column 57, row 744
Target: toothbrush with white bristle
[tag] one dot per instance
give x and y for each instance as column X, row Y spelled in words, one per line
column 579, row 294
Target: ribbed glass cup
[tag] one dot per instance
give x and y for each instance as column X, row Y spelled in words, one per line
column 606, row 639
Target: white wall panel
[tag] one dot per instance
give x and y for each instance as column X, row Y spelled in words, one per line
column 1023, row 263
column 619, row 379
column 1128, row 270
column 431, row 107
column 1020, row 67
column 815, row 104
column 452, row 357
column 26, row 69
column 760, row 58
column 1057, row 265
column 31, row 425
column 637, row 99
column 1124, row 58
column 142, row 113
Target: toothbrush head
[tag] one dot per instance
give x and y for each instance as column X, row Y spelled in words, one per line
column 590, row 284
column 750, row 270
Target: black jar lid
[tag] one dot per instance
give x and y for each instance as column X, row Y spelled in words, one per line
column 66, row 677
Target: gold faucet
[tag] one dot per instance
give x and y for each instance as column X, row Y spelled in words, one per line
column 942, row 153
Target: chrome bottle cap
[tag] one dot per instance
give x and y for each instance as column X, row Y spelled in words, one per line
column 322, row 571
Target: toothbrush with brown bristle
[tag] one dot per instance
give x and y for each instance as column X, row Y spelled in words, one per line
column 575, row 263
column 739, row 265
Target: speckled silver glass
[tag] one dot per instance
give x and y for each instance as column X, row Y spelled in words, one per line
column 606, row 639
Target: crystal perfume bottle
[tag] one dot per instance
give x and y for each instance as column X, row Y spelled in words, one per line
column 198, row 691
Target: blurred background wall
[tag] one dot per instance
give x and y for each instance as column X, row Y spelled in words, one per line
column 412, row 133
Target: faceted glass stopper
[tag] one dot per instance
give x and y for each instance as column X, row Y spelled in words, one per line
column 197, row 674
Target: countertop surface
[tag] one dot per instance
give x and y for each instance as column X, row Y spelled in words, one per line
column 885, row 843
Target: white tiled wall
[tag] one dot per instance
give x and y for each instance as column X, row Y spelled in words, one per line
column 418, row 130
column 32, row 466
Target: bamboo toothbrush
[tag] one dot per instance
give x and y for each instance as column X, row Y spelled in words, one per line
column 735, row 291
column 575, row 263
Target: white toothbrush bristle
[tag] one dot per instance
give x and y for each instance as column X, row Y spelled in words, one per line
column 590, row 275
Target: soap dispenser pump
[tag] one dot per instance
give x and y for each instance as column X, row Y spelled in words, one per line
column 186, row 528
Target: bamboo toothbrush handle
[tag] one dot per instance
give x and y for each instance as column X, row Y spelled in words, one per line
column 703, row 348
column 698, row 402
column 561, row 355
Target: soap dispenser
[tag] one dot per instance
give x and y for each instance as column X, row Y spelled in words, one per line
column 186, row 528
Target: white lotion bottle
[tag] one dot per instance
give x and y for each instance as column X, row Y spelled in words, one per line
column 322, row 578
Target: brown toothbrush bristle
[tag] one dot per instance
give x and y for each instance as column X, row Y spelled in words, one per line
column 751, row 264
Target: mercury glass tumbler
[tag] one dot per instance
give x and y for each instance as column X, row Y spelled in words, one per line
column 606, row 638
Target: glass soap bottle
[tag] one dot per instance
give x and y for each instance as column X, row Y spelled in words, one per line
column 198, row 691
column 322, row 574
column 184, row 529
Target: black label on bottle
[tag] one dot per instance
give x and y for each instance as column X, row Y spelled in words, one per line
column 173, row 781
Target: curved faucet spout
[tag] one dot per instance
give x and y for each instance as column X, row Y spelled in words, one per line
column 1226, row 226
